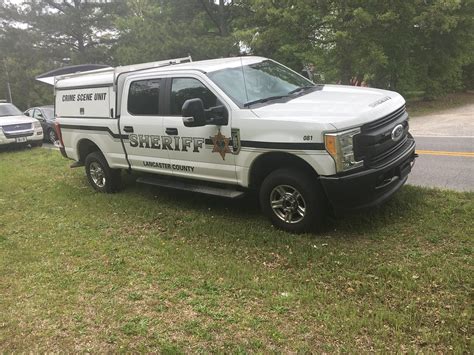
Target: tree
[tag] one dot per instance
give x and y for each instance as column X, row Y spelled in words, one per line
column 41, row 35
column 166, row 29
column 397, row 44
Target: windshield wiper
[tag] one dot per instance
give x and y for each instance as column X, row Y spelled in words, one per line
column 301, row 88
column 270, row 98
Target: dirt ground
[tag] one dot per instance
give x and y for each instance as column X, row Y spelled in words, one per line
column 457, row 122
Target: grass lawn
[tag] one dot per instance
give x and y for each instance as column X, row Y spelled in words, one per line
column 417, row 107
column 149, row 269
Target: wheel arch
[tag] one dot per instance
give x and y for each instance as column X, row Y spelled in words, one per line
column 84, row 147
column 264, row 164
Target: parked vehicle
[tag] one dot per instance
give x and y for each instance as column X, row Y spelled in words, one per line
column 225, row 126
column 18, row 129
column 45, row 115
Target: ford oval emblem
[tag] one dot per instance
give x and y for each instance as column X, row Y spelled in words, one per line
column 397, row 132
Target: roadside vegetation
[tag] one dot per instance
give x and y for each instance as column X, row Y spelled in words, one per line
column 157, row 270
column 406, row 46
column 419, row 107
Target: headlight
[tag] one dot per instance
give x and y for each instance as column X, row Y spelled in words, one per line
column 37, row 125
column 341, row 148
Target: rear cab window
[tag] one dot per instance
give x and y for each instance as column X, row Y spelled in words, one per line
column 143, row 97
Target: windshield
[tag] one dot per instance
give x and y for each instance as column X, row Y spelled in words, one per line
column 259, row 81
column 9, row 110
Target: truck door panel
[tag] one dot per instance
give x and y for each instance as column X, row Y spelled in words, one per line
column 199, row 152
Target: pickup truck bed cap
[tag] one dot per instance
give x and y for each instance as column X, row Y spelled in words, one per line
column 109, row 76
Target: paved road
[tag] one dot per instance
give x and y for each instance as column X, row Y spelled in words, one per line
column 445, row 143
column 446, row 163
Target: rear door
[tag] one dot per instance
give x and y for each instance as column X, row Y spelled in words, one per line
column 203, row 153
column 141, row 122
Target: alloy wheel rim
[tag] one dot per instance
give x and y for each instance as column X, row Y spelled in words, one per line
column 97, row 174
column 288, row 204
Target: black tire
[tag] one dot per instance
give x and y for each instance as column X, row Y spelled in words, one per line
column 37, row 145
column 51, row 136
column 101, row 177
column 294, row 189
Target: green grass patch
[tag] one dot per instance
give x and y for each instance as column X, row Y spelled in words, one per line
column 157, row 270
column 419, row 107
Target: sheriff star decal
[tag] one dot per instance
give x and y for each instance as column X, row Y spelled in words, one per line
column 221, row 144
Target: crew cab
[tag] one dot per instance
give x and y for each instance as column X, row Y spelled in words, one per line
column 229, row 125
column 17, row 129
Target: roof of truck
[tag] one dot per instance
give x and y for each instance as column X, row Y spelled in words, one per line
column 106, row 76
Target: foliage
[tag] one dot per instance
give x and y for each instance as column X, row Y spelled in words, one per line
column 401, row 45
column 40, row 35
column 418, row 45
column 168, row 29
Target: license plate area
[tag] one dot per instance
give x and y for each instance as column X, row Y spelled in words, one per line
column 20, row 139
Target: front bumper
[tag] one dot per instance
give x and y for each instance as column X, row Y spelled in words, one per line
column 35, row 138
column 370, row 187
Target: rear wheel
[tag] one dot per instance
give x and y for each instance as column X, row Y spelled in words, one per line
column 101, row 177
column 292, row 200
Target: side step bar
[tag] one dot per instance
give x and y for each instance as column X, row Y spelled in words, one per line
column 189, row 186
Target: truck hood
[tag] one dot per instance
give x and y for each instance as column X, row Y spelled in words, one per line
column 337, row 105
column 9, row 120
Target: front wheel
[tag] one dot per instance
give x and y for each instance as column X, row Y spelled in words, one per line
column 52, row 136
column 101, row 177
column 292, row 200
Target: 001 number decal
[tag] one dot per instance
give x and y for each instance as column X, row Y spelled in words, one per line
column 307, row 138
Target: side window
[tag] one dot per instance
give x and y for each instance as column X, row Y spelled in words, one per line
column 143, row 97
column 38, row 114
column 183, row 89
column 28, row 112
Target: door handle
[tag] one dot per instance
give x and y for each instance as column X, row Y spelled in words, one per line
column 172, row 131
column 128, row 129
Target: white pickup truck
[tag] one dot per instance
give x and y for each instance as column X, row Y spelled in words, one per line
column 225, row 126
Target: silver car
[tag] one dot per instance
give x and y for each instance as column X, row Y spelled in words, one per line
column 18, row 129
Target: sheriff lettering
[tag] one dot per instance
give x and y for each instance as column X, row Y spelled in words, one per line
column 183, row 144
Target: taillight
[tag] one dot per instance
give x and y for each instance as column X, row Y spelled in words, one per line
column 57, row 128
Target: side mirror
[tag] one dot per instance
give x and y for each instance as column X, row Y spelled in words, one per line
column 217, row 115
column 193, row 112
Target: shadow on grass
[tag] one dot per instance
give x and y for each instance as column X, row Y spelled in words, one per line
column 404, row 205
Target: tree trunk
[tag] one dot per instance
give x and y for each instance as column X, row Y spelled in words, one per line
column 222, row 20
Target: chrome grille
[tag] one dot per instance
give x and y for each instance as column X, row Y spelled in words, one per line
column 17, row 127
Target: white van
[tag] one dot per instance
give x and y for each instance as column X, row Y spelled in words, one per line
column 224, row 126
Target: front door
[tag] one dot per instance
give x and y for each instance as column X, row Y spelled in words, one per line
column 203, row 153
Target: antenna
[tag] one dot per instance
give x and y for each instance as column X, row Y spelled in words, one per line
column 245, row 83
